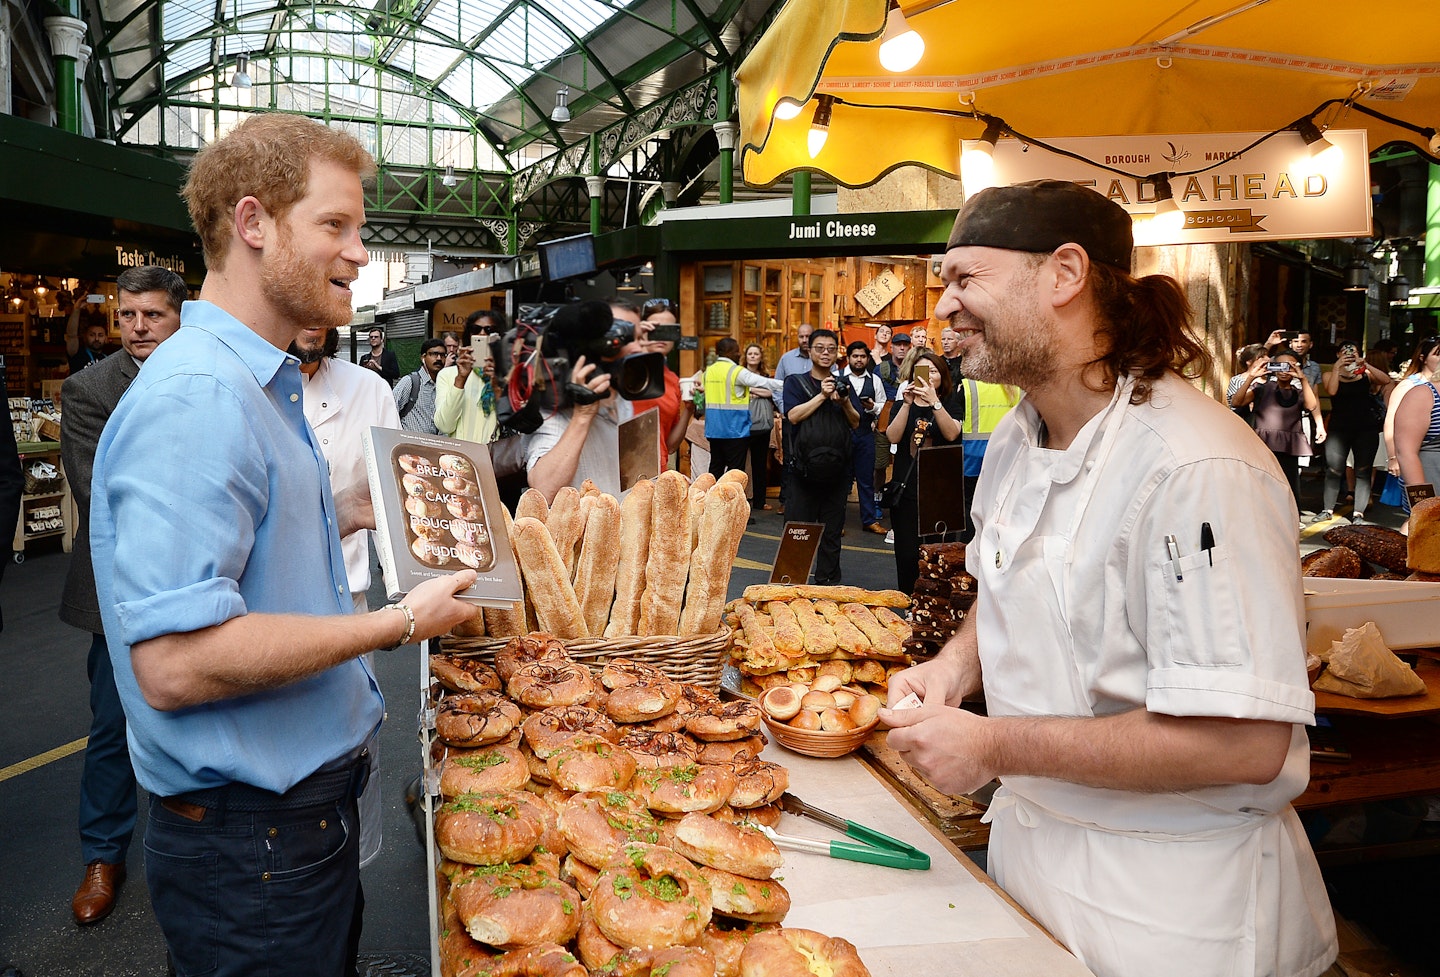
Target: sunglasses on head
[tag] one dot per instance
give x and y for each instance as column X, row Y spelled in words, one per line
column 658, row 305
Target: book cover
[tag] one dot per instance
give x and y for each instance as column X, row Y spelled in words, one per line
column 437, row 511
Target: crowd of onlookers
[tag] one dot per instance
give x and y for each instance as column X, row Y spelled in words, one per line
column 1383, row 417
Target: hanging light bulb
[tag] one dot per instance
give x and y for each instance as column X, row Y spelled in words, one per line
column 1169, row 219
column 977, row 160
column 1322, row 155
column 561, row 111
column 241, row 78
column 901, row 48
column 449, row 178
column 820, row 124
column 787, row 108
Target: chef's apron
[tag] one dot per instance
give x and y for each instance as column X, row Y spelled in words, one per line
column 1203, row 903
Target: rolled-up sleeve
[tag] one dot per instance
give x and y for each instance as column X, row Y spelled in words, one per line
column 183, row 529
column 1224, row 628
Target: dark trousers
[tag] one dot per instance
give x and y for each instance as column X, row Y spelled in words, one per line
column 727, row 453
column 273, row 892
column 759, row 466
column 787, row 452
column 1290, row 465
column 820, row 502
column 905, row 520
column 1339, row 443
column 107, row 781
column 862, row 460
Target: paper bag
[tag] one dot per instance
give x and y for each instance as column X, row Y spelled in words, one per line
column 1361, row 666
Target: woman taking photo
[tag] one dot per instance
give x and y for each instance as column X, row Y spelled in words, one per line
column 1357, row 403
column 762, row 425
column 928, row 413
column 1281, row 395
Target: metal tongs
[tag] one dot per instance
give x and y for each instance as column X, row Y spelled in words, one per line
column 873, row 847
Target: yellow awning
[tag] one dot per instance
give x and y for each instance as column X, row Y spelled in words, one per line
column 1084, row 68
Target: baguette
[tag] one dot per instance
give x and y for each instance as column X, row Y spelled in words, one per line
column 736, row 476
column 885, row 641
column 588, row 487
column 502, row 622
column 696, row 508
column 848, row 638
column 893, row 623
column 819, row 637
column 587, row 504
column 532, row 503
column 789, row 639
column 704, row 482
column 557, row 610
column 721, row 527
column 760, row 593
column 634, row 548
column 668, row 562
column 565, row 526
column 759, row 648
column 599, row 558
column 474, row 627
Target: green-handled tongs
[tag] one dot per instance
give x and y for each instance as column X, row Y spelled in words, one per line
column 873, row 847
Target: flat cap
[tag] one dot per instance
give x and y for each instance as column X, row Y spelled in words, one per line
column 1042, row 215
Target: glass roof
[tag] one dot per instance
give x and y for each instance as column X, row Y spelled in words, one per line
column 469, row 83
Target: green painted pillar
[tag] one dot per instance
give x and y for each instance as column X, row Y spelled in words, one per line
column 1432, row 228
column 595, row 184
column 66, row 33
column 727, row 133
column 800, row 194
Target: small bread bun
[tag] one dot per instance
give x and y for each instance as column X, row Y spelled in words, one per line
column 865, row 709
column 781, row 703
column 817, row 701
column 826, row 683
column 800, row 688
column 804, row 674
column 836, row 721
column 844, row 698
column 805, row 719
column 842, row 670
column 869, row 671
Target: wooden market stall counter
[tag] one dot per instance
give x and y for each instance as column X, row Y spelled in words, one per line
column 1394, row 746
column 951, row 919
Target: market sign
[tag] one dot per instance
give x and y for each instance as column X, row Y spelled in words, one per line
column 902, row 232
column 1275, row 191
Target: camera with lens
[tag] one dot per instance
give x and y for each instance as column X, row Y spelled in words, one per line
column 588, row 329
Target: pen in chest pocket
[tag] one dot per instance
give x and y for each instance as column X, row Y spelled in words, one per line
column 1207, row 541
column 1172, row 548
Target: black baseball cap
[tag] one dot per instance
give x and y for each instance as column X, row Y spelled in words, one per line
column 900, row 337
column 1040, row 216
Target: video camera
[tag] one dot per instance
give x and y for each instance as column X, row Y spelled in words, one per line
column 588, row 329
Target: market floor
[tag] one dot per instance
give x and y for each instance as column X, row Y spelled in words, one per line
column 45, row 698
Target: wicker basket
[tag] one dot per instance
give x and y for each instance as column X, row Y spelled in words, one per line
column 697, row 660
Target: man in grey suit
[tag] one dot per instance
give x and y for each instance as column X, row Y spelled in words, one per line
column 149, row 300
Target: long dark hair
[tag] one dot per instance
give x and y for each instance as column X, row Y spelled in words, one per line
column 1423, row 349
column 1147, row 323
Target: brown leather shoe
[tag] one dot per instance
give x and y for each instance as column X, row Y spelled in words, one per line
column 96, row 895
column 875, row 527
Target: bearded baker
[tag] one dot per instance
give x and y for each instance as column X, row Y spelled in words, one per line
column 1148, row 745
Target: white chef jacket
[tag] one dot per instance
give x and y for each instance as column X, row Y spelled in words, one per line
column 341, row 402
column 1081, row 612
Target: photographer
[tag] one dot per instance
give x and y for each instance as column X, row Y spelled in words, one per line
column 823, row 416
column 1281, row 394
column 465, row 393
column 579, row 441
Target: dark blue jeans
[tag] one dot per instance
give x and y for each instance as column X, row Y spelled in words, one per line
column 272, row 893
column 107, row 781
column 862, row 459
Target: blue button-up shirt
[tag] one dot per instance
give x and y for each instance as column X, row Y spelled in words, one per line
column 210, row 500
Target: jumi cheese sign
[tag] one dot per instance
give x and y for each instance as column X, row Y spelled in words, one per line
column 1275, row 191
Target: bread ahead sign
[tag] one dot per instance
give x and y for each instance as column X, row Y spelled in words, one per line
column 1277, row 191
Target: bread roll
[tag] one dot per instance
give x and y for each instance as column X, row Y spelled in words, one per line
column 566, row 524
column 667, row 565
column 1337, row 561
column 789, row 639
column 1423, row 543
column 721, row 528
column 507, row 622
column 885, row 641
column 557, row 610
column 634, row 549
column 598, row 560
column 819, row 637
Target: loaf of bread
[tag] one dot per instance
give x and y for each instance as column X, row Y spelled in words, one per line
column 1373, row 544
column 507, row 622
column 721, row 526
column 634, row 549
column 1423, row 543
column 761, row 593
column 1337, row 561
column 598, row 560
column 667, row 565
column 566, row 524
column 532, row 503
column 557, row 610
